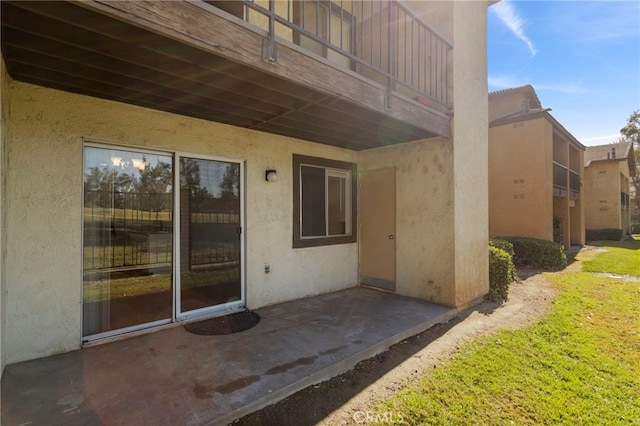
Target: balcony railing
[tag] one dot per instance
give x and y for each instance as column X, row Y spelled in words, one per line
column 624, row 200
column 565, row 182
column 559, row 180
column 574, row 184
column 382, row 40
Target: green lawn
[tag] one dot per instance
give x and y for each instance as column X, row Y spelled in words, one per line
column 579, row 365
column 94, row 291
column 622, row 257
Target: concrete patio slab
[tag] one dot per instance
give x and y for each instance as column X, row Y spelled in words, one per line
column 174, row 377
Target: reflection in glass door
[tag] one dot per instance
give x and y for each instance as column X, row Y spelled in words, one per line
column 210, row 235
column 128, row 240
column 130, row 279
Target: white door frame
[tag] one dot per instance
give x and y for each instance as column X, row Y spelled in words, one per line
column 176, row 316
column 216, row 309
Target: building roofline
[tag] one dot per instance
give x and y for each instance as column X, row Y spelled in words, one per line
column 526, row 88
column 541, row 113
column 628, row 155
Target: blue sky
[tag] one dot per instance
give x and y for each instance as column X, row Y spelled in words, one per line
column 582, row 58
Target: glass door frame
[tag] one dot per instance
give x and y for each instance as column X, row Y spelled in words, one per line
column 236, row 305
column 176, row 315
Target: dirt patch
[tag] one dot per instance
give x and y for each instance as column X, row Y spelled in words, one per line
column 345, row 399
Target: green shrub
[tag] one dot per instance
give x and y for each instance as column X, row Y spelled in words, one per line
column 535, row 253
column 501, row 274
column 502, row 244
column 605, row 234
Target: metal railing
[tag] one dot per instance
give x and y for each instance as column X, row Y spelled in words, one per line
column 574, row 184
column 625, row 200
column 131, row 230
column 560, row 179
column 383, row 40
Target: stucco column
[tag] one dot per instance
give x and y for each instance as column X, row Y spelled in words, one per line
column 470, row 151
column 4, row 99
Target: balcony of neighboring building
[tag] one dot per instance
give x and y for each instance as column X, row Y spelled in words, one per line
column 566, row 182
column 353, row 74
column 567, row 166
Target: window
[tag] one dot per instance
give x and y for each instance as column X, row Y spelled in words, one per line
column 324, row 202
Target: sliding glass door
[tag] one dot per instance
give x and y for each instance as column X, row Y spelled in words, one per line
column 210, row 234
column 132, row 237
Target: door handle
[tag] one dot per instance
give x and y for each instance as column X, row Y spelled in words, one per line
column 391, row 236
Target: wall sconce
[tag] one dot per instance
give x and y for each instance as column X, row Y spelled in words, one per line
column 271, row 175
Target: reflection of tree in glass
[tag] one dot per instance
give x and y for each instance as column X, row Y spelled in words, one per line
column 189, row 173
column 153, row 186
column 230, row 188
column 200, row 199
column 107, row 187
column 104, row 187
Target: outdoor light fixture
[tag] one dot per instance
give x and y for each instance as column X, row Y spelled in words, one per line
column 271, row 175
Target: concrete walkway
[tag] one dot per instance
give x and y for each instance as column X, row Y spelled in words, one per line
column 174, row 377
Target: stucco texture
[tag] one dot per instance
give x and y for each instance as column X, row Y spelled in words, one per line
column 4, row 113
column 44, row 213
column 441, row 192
column 602, row 185
column 470, row 164
column 521, row 189
column 424, row 223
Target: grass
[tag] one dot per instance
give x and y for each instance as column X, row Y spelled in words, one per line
column 579, row 365
column 621, row 257
column 94, row 291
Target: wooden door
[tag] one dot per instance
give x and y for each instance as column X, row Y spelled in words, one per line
column 377, row 228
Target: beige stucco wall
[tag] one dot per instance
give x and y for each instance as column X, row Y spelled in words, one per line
column 602, row 194
column 424, row 223
column 577, row 207
column 4, row 113
column 43, row 209
column 442, row 192
column 470, row 210
column 506, row 104
column 520, row 180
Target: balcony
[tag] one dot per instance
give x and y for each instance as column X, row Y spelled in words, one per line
column 357, row 75
column 574, row 185
column 563, row 175
column 560, row 180
column 624, row 200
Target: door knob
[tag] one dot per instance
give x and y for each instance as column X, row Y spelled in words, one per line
column 391, row 237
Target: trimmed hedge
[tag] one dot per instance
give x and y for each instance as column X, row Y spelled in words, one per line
column 501, row 274
column 609, row 234
column 535, row 253
column 502, row 244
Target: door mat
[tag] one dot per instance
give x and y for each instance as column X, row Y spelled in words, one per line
column 227, row 324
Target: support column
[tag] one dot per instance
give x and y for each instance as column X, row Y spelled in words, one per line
column 470, row 152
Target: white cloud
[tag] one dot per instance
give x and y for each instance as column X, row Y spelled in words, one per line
column 508, row 15
column 594, row 22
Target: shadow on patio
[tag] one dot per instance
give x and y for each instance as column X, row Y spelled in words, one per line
column 175, row 377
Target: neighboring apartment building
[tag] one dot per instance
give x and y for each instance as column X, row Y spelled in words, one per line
column 535, row 171
column 163, row 161
column 607, row 171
